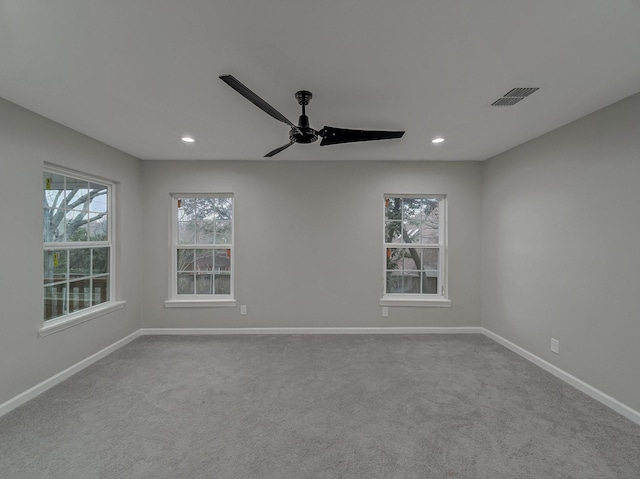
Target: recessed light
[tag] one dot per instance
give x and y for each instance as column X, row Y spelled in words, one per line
column 437, row 140
column 188, row 139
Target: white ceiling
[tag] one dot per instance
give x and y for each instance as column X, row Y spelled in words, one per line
column 139, row 74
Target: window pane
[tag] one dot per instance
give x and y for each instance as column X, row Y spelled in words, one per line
column 429, row 283
column 395, row 258
column 204, row 260
column 431, row 259
column 222, row 260
column 393, row 208
column 204, row 283
column 411, row 282
column 411, row 231
column 224, row 208
column 206, row 232
column 55, row 266
column 79, row 262
column 393, row 232
column 206, row 209
column 394, row 282
column 412, row 208
column 185, row 283
column 223, row 232
column 97, row 198
column 404, row 258
column 100, row 289
column 76, row 225
column 100, row 261
column 53, row 225
column 431, row 268
column 98, row 227
column 79, row 295
column 223, row 283
column 187, row 232
column 412, row 259
column 186, row 209
column 53, row 190
column 77, row 194
column 431, row 220
column 185, row 260
column 55, row 302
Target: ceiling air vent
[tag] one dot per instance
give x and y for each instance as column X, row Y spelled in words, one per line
column 514, row 95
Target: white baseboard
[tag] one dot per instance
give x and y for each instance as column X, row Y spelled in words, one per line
column 579, row 384
column 390, row 330
column 38, row 389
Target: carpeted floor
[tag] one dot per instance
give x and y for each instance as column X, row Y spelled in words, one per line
column 316, row 406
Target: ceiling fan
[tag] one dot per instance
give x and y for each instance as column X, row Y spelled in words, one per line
column 303, row 133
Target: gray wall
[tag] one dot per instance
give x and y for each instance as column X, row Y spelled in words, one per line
column 561, row 248
column 308, row 241
column 26, row 142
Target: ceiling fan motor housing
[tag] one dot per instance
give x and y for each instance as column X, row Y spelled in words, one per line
column 304, row 133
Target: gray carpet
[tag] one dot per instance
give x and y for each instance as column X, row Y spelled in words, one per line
column 310, row 406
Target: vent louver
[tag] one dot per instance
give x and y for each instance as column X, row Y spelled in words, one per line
column 514, row 96
column 506, row 101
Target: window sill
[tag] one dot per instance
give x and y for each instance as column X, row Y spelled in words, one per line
column 200, row 303
column 88, row 314
column 411, row 300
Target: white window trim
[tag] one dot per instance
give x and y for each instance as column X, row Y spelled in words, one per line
column 71, row 319
column 440, row 300
column 58, row 324
column 200, row 303
column 197, row 301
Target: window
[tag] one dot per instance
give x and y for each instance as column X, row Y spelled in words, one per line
column 415, row 250
column 202, row 250
column 78, row 249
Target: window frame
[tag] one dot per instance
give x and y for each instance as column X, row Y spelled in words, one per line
column 198, row 300
column 439, row 299
column 111, row 304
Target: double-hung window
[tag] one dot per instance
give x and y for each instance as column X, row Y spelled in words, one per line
column 202, row 250
column 78, row 249
column 415, row 250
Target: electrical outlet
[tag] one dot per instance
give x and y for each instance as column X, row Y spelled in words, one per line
column 555, row 346
column 385, row 312
column 243, row 309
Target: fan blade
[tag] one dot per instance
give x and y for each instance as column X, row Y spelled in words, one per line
column 333, row 136
column 255, row 99
column 278, row 150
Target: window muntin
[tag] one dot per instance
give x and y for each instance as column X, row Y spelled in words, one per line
column 414, row 244
column 77, row 258
column 202, row 247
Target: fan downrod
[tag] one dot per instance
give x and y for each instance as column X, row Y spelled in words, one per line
column 304, row 133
